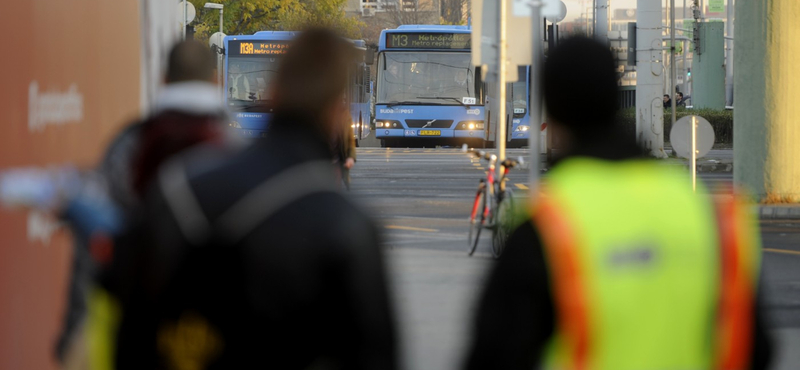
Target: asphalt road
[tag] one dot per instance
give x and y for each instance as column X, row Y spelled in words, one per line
column 421, row 199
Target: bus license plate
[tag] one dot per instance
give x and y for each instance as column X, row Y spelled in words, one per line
column 430, row 132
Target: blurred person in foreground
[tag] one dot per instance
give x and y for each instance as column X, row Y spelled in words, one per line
column 100, row 205
column 621, row 265
column 254, row 259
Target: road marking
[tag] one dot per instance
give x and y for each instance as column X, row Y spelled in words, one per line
column 783, row 251
column 478, row 164
column 396, row 227
column 521, row 186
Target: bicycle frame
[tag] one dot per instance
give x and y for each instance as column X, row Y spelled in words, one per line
column 490, row 197
column 495, row 188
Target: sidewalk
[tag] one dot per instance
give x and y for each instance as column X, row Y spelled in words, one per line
column 779, row 211
column 434, row 295
column 717, row 160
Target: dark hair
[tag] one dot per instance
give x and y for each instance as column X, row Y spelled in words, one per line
column 312, row 76
column 666, row 96
column 190, row 61
column 579, row 83
column 680, row 94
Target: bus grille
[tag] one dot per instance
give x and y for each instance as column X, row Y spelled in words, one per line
column 419, row 123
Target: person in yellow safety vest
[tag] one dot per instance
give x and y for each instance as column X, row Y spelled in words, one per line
column 620, row 266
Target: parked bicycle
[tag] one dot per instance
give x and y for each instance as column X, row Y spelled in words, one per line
column 493, row 207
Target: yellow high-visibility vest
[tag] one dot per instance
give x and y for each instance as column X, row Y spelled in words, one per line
column 645, row 273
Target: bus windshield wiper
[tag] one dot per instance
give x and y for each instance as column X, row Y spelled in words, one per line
column 457, row 100
column 406, row 102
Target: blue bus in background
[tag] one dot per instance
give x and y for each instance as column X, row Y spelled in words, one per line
column 518, row 118
column 428, row 92
column 519, row 95
column 359, row 92
column 251, row 62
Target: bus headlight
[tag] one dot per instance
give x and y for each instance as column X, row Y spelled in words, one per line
column 470, row 125
column 235, row 124
column 522, row 128
column 385, row 124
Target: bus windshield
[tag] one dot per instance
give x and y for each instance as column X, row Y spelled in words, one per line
column 249, row 79
column 426, row 77
column 519, row 95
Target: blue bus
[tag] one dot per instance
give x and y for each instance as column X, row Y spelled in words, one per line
column 251, row 62
column 428, row 92
column 518, row 124
column 360, row 92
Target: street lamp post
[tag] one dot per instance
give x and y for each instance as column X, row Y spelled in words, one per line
column 219, row 7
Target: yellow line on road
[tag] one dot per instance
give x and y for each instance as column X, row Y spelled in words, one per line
column 783, row 251
column 396, row 227
column 476, row 164
column 521, row 186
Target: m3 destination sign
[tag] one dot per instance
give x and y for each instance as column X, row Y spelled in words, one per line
column 428, row 40
column 254, row 47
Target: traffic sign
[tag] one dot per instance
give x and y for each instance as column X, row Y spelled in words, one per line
column 216, row 39
column 190, row 12
column 556, row 15
column 681, row 137
column 551, row 9
column 485, row 16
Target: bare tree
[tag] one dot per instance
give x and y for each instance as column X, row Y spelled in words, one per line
column 455, row 11
column 400, row 12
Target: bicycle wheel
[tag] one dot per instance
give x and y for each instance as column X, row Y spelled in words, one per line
column 476, row 220
column 503, row 222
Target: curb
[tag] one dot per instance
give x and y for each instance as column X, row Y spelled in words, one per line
column 779, row 212
column 714, row 167
column 720, row 167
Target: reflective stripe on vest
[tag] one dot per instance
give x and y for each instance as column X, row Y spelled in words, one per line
column 643, row 275
column 740, row 263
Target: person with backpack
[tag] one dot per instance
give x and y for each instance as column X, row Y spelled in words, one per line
column 255, row 258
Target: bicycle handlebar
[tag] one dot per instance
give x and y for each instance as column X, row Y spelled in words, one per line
column 507, row 163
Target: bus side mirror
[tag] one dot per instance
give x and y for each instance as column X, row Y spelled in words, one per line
column 369, row 56
column 367, row 79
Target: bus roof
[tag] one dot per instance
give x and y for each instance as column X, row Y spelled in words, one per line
column 265, row 35
column 431, row 27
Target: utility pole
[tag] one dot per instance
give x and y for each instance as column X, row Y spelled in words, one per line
column 535, row 97
column 501, row 85
column 185, row 16
column 729, row 56
column 673, row 74
column 766, row 157
column 649, row 74
column 594, row 18
column 601, row 22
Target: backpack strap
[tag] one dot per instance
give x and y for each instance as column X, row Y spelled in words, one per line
column 272, row 195
column 250, row 211
column 180, row 198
